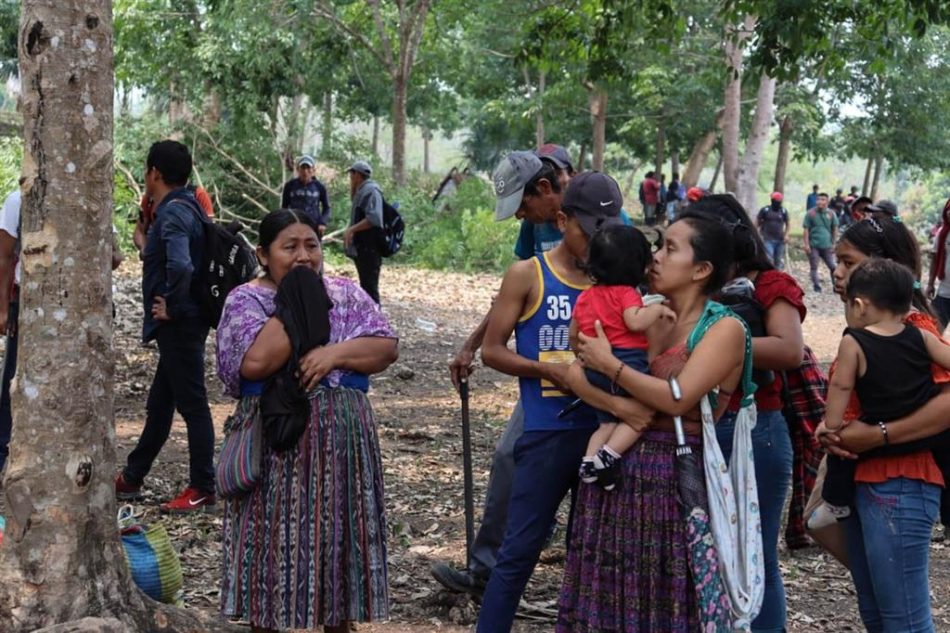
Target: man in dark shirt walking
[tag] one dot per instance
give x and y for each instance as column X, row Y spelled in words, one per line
column 306, row 193
column 773, row 226
column 174, row 250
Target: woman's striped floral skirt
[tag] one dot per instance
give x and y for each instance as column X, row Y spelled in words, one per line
column 307, row 547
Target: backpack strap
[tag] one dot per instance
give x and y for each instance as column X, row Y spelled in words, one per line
column 712, row 313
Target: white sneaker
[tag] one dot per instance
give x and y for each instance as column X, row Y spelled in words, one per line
column 827, row 514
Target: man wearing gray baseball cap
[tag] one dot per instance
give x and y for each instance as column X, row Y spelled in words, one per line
column 527, row 188
column 366, row 219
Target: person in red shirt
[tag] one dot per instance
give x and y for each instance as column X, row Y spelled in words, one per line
column 617, row 262
column 651, row 196
column 147, row 214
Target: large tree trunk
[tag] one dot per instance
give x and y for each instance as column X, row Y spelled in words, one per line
column 784, row 145
column 582, row 157
column 660, row 157
column 597, row 98
column 867, row 177
column 327, row 127
column 211, row 108
column 755, row 143
column 716, row 172
column 675, row 161
column 375, row 136
column 732, row 102
column 426, row 137
column 539, row 111
column 878, row 169
column 61, row 559
column 399, row 129
column 698, row 157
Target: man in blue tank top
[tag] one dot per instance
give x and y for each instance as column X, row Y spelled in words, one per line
column 535, row 303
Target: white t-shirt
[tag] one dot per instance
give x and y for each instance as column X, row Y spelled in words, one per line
column 10, row 223
column 943, row 290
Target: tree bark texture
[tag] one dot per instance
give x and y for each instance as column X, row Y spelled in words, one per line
column 327, row 131
column 866, row 186
column 675, row 161
column 597, row 98
column 375, row 136
column 400, row 85
column 582, row 157
column 61, row 560
column 699, row 156
column 784, row 147
column 716, row 172
column 660, row 157
column 878, row 169
column 732, row 102
column 755, row 143
column 539, row 112
column 426, row 137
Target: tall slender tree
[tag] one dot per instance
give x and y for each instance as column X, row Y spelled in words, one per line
column 61, row 560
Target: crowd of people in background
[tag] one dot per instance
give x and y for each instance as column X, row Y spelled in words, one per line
column 624, row 349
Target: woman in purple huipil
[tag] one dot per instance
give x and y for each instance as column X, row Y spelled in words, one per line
column 307, row 547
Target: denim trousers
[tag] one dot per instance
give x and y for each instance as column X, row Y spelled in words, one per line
column 775, row 249
column 545, row 472
column 9, row 369
column 491, row 530
column 179, row 383
column 772, row 451
column 889, row 550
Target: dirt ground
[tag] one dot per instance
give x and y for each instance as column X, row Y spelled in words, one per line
column 419, row 422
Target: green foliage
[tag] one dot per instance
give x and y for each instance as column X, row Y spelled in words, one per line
column 788, row 33
column 11, row 155
column 9, row 27
column 464, row 238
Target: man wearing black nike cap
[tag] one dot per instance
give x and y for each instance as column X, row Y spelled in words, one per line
column 535, row 304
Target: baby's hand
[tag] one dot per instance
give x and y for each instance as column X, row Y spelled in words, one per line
column 659, row 311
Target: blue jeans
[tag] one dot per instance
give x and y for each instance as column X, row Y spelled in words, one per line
column 9, row 369
column 179, row 383
column 772, row 451
column 545, row 471
column 889, row 550
column 775, row 249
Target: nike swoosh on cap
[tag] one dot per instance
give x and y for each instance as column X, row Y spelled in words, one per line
column 606, row 204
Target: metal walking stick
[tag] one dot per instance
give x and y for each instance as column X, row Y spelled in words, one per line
column 467, row 470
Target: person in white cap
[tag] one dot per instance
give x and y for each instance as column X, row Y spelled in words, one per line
column 306, row 193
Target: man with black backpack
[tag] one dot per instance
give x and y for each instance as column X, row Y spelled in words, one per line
column 173, row 260
column 362, row 239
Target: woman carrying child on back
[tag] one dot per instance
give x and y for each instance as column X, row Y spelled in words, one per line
column 888, row 364
column 617, row 262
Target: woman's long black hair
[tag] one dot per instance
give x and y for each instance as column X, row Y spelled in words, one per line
column 883, row 235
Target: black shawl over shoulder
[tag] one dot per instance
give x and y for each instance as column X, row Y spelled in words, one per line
column 303, row 306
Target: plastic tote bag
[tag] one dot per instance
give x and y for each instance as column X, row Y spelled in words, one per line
column 734, row 514
column 153, row 562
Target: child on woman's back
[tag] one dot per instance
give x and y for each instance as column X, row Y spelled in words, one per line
column 617, row 262
column 885, row 361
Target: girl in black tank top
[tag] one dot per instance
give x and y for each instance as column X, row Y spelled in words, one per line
column 888, row 364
